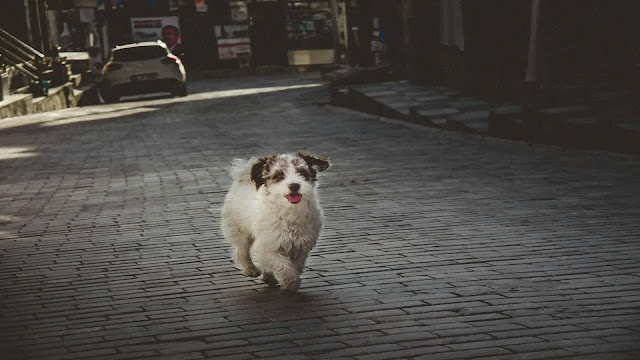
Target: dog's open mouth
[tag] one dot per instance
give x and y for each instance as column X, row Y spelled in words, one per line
column 294, row 198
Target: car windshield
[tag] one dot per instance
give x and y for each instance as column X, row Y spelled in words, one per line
column 139, row 53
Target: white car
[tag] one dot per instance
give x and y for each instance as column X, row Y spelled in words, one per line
column 145, row 67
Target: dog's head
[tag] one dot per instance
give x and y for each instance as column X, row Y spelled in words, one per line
column 291, row 176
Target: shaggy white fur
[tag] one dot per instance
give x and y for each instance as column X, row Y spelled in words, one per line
column 272, row 207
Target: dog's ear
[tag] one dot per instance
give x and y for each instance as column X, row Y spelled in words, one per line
column 258, row 169
column 316, row 163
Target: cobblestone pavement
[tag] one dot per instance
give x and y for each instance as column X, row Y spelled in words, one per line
column 436, row 245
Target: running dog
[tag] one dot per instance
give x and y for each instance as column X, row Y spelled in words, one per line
column 272, row 208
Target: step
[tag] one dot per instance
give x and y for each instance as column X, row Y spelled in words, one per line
column 471, row 121
column 430, row 106
column 396, row 83
column 418, row 94
column 16, row 105
column 585, row 121
column 562, row 112
column 408, row 87
column 403, row 107
column 477, row 126
column 469, row 104
column 379, row 93
column 432, row 98
column 394, row 101
column 507, row 109
column 369, row 87
column 437, row 112
column 439, row 122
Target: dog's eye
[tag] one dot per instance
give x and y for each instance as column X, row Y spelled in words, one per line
column 305, row 174
column 278, row 176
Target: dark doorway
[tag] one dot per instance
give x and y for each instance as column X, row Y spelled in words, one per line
column 268, row 33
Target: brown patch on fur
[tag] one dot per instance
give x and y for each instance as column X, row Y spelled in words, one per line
column 315, row 163
column 307, row 174
column 276, row 172
column 278, row 176
column 259, row 169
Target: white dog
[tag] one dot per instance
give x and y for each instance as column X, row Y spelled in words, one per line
column 272, row 207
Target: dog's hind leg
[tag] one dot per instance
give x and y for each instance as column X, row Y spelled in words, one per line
column 242, row 256
column 269, row 279
column 299, row 262
column 241, row 242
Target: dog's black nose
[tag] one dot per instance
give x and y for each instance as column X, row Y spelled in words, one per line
column 294, row 187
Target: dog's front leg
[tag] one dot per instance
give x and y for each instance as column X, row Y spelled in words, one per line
column 282, row 268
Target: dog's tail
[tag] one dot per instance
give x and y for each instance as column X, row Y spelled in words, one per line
column 240, row 169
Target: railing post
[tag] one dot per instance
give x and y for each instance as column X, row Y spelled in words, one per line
column 46, row 34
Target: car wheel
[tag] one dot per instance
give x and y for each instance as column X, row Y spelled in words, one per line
column 109, row 96
column 113, row 98
column 180, row 89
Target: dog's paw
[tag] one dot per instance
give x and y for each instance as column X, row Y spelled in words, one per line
column 269, row 279
column 292, row 285
column 251, row 272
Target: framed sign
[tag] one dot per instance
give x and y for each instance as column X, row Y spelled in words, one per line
column 164, row 28
column 232, row 39
column 201, row 5
column 239, row 11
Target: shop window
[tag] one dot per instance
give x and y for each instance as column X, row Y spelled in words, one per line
column 233, row 38
column 309, row 25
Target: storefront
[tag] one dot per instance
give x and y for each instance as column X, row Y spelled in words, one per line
column 232, row 31
column 278, row 32
column 310, row 32
column 214, row 33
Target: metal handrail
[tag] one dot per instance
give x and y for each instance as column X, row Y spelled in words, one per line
column 26, row 60
column 16, row 49
column 22, row 70
column 16, row 58
column 4, row 35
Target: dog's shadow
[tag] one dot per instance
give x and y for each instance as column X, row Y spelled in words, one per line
column 280, row 305
column 276, row 294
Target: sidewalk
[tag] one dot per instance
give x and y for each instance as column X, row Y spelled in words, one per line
column 435, row 246
column 70, row 94
column 583, row 124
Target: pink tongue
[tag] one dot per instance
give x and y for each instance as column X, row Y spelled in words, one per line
column 295, row 198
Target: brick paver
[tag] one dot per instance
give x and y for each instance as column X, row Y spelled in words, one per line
column 436, row 245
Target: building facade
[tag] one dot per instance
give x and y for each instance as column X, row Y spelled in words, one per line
column 214, row 32
column 471, row 45
column 502, row 48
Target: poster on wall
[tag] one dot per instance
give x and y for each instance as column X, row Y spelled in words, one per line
column 239, row 12
column 201, row 5
column 232, row 40
column 164, row 28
